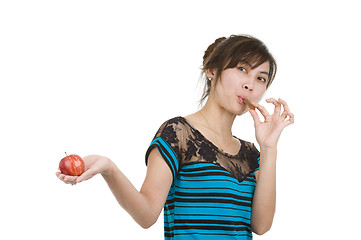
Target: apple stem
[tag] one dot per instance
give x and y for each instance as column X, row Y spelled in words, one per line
column 66, row 154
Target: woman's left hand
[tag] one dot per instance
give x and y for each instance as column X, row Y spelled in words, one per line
column 269, row 131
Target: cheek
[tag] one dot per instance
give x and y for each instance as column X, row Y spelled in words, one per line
column 259, row 95
column 225, row 87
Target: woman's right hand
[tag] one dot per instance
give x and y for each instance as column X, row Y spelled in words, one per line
column 94, row 164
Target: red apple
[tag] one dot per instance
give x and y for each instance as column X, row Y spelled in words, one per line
column 72, row 165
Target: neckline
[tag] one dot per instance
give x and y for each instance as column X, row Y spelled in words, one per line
column 211, row 143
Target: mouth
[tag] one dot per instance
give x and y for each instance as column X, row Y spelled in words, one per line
column 249, row 104
column 244, row 100
column 241, row 99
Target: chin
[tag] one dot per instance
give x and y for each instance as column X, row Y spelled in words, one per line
column 240, row 112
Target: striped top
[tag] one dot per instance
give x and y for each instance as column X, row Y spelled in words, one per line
column 211, row 194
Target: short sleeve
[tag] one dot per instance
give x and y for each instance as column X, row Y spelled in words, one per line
column 253, row 156
column 258, row 162
column 167, row 143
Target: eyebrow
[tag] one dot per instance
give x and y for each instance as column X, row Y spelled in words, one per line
column 264, row 73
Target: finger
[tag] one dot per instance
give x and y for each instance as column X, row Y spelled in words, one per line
column 287, row 111
column 263, row 111
column 285, row 105
column 70, row 179
column 58, row 174
column 291, row 119
column 277, row 105
column 66, row 179
column 255, row 117
column 284, row 115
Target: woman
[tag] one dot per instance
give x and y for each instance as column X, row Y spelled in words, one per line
column 211, row 184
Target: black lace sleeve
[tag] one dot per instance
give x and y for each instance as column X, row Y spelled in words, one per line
column 166, row 140
column 253, row 155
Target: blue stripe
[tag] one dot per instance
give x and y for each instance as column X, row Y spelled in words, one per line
column 214, row 190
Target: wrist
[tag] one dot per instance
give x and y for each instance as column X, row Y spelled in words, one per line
column 268, row 148
column 268, row 154
column 108, row 168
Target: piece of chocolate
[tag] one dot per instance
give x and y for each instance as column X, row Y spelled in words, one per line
column 249, row 104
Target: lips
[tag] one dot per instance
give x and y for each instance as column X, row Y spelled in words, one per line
column 244, row 100
column 241, row 99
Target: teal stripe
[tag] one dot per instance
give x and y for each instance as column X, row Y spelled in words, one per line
column 214, row 190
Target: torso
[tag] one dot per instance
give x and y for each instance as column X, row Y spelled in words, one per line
column 211, row 195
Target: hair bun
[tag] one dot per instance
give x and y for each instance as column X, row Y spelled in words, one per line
column 211, row 47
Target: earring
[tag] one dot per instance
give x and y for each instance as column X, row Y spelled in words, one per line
column 210, row 79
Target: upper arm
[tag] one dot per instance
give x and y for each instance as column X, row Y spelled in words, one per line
column 158, row 181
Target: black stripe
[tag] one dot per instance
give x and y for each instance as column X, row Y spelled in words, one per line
column 218, row 173
column 213, row 201
column 168, row 207
column 200, row 174
column 228, row 208
column 205, row 221
column 205, row 194
column 217, row 234
column 211, row 180
column 203, row 168
column 164, row 149
column 170, row 201
column 214, row 188
column 169, row 234
column 224, row 228
column 250, row 179
column 213, row 215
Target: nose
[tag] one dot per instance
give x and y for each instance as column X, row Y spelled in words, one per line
column 248, row 87
column 248, row 83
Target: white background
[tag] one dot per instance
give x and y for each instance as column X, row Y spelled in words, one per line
column 99, row 77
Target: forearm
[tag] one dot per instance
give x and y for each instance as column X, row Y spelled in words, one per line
column 264, row 199
column 128, row 197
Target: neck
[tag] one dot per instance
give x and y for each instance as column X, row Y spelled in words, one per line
column 218, row 119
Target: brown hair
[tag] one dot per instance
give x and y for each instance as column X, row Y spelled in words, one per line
column 233, row 50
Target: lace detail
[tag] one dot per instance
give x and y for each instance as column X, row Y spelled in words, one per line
column 191, row 146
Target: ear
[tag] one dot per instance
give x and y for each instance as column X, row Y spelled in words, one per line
column 210, row 73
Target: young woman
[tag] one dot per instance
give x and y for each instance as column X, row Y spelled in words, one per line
column 211, row 184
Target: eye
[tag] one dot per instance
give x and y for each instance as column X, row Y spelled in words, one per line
column 262, row 79
column 242, row 69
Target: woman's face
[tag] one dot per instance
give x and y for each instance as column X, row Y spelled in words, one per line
column 238, row 83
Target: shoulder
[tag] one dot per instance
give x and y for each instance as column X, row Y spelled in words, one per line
column 250, row 153
column 171, row 128
column 248, row 147
column 173, row 123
